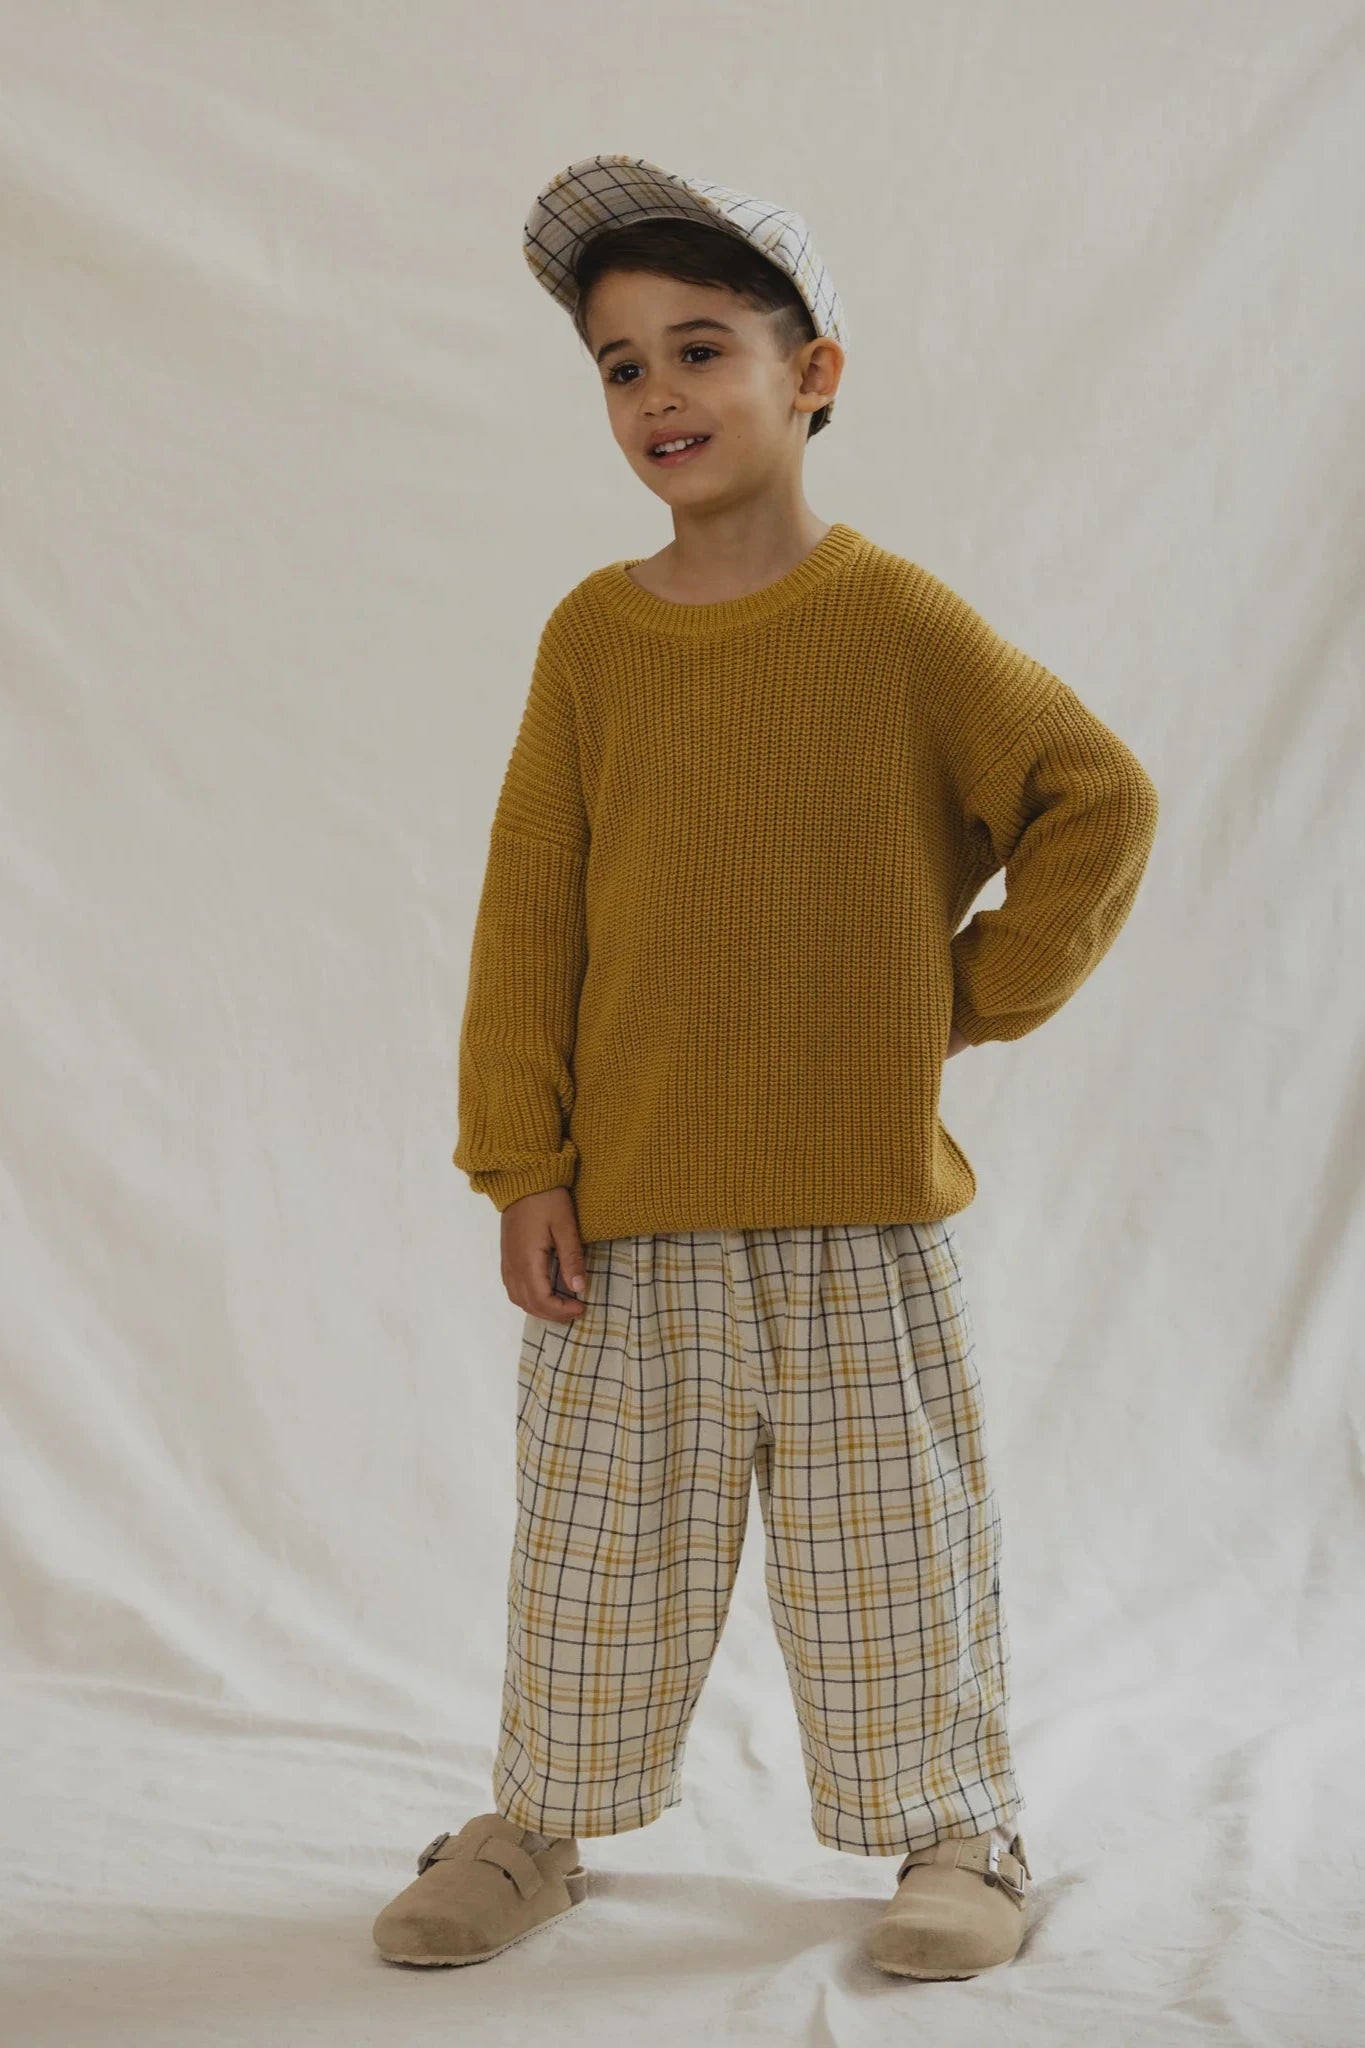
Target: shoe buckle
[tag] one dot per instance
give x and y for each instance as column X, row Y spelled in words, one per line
column 993, row 1874
column 428, row 1855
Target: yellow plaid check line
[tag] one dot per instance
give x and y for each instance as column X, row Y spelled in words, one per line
column 835, row 1365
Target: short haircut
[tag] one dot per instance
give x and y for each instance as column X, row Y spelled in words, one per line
column 700, row 255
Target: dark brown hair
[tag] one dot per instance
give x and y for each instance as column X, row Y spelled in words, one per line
column 700, row 255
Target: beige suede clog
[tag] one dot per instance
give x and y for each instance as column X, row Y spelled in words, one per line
column 478, row 1891
column 959, row 1908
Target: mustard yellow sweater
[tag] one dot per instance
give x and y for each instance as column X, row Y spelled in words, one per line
column 717, row 954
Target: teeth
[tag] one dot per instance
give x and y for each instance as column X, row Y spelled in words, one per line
column 667, row 447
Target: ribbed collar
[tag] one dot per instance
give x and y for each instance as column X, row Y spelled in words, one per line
column 841, row 546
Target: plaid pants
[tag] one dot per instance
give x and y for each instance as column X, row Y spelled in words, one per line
column 837, row 1363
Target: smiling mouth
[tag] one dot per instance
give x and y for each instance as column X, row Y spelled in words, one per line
column 678, row 455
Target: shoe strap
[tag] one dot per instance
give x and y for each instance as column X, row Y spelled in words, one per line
column 487, row 1838
column 1005, row 1867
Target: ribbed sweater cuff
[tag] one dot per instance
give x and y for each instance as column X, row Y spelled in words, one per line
column 976, row 1030
column 509, row 1185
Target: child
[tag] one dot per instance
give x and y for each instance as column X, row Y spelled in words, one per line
column 759, row 779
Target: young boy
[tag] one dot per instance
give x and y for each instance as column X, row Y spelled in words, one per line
column 717, row 968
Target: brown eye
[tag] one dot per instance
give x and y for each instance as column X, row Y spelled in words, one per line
column 704, row 346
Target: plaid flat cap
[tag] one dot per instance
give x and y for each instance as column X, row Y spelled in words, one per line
column 602, row 192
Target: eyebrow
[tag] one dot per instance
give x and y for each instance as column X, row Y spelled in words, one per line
column 678, row 327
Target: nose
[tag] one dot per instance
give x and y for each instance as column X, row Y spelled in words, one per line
column 651, row 406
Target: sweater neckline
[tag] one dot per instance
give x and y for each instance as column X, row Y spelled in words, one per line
column 841, row 545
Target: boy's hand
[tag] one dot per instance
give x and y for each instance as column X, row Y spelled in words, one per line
column 540, row 1243
column 956, row 1042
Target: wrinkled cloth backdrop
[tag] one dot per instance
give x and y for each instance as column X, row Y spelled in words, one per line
column 298, row 459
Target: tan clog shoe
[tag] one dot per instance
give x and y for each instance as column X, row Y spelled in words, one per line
column 959, row 1908
column 478, row 1891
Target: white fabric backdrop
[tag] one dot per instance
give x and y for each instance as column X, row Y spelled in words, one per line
column 299, row 457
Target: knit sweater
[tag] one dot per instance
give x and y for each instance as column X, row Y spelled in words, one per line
column 716, row 954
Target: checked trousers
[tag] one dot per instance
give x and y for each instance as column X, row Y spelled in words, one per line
column 835, row 1365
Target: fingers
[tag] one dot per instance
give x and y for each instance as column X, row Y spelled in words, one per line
column 573, row 1267
column 543, row 1267
column 538, row 1288
column 539, row 1295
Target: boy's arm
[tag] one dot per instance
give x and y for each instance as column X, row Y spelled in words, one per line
column 528, row 956
column 1070, row 814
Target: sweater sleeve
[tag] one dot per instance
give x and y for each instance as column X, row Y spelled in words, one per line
column 1070, row 813
column 528, row 956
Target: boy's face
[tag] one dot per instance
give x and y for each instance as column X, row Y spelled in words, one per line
column 696, row 359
